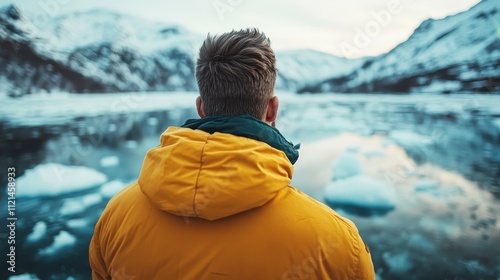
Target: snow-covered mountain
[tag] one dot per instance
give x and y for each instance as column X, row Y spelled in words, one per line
column 104, row 51
column 94, row 51
column 457, row 53
column 25, row 68
column 301, row 68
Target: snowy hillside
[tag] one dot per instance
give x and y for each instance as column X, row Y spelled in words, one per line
column 300, row 68
column 94, row 51
column 132, row 53
column 104, row 51
column 25, row 69
column 457, row 53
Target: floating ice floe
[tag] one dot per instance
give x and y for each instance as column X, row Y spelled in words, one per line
column 152, row 121
column 25, row 276
column 398, row 263
column 109, row 161
column 62, row 240
column 52, row 179
column 131, row 144
column 346, row 166
column 361, row 195
column 78, row 223
column 39, row 231
column 496, row 122
column 109, row 189
column 78, row 205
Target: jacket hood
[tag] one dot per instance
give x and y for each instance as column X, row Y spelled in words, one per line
column 209, row 169
column 249, row 127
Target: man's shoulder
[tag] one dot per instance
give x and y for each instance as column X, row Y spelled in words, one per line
column 125, row 198
column 316, row 212
column 125, row 194
column 306, row 201
column 321, row 228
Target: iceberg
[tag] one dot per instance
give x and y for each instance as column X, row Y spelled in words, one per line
column 361, row 195
column 62, row 240
column 52, row 179
column 346, row 166
column 39, row 231
column 78, row 205
column 109, row 189
column 25, row 276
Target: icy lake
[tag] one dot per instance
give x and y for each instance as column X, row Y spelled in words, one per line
column 418, row 174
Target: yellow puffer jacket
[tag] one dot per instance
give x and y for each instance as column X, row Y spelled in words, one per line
column 219, row 206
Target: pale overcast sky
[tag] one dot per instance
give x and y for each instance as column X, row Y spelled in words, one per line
column 326, row 25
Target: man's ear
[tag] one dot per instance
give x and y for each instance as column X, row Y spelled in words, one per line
column 199, row 107
column 272, row 110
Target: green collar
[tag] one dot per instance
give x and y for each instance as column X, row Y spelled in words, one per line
column 249, row 127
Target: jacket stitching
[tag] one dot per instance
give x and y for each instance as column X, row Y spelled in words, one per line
column 198, row 177
column 357, row 255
